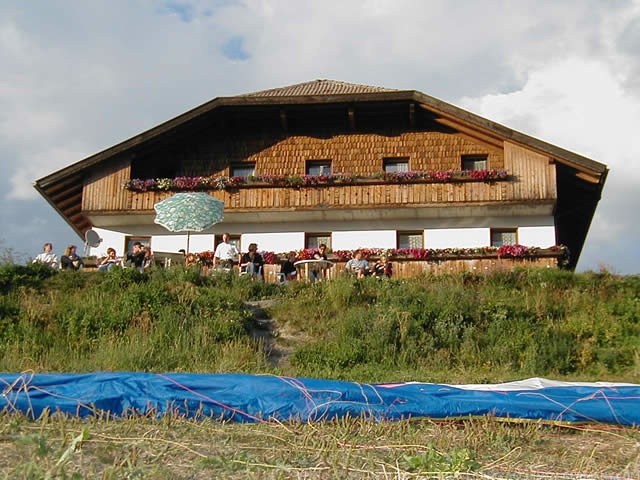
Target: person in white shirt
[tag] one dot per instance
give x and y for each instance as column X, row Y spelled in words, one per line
column 225, row 253
column 48, row 257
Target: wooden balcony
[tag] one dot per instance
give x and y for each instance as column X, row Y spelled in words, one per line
column 410, row 268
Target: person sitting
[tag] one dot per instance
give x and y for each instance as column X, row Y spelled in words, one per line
column 70, row 260
column 320, row 254
column 149, row 260
column 190, row 260
column 288, row 269
column 136, row 257
column 252, row 262
column 383, row 268
column 47, row 257
column 110, row 261
column 358, row 265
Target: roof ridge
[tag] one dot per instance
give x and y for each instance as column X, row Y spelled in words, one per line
column 318, row 87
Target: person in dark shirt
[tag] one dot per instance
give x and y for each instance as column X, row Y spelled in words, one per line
column 288, row 269
column 136, row 257
column 70, row 260
column 383, row 268
column 252, row 262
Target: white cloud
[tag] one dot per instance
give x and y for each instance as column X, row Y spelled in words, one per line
column 78, row 77
column 581, row 105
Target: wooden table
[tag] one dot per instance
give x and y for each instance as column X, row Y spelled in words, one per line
column 305, row 267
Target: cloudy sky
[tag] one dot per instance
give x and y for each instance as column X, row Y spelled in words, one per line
column 78, row 76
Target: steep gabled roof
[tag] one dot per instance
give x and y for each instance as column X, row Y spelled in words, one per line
column 318, row 87
column 63, row 188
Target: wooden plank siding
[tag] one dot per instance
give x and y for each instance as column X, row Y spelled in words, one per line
column 533, row 175
column 413, row 268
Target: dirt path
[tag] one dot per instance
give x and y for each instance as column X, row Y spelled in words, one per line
column 279, row 341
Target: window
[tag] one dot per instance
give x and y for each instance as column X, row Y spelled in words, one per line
column 314, row 240
column 474, row 162
column 410, row 240
column 503, row 236
column 319, row 167
column 243, row 170
column 233, row 240
column 129, row 241
column 395, row 165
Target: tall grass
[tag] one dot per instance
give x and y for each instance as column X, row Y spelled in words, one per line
column 453, row 328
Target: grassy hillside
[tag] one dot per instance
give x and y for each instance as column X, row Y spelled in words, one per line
column 459, row 328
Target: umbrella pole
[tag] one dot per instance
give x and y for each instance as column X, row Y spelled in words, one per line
column 188, row 235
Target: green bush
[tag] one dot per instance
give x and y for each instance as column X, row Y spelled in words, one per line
column 462, row 327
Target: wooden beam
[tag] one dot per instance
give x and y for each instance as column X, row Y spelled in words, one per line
column 587, row 177
column 412, row 115
column 61, row 184
column 64, row 194
column 77, row 198
column 470, row 132
column 284, row 120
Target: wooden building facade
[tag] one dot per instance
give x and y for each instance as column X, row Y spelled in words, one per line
column 356, row 165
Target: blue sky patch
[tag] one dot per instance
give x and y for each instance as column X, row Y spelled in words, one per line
column 184, row 11
column 234, row 49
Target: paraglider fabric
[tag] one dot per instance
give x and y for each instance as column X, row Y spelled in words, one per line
column 262, row 398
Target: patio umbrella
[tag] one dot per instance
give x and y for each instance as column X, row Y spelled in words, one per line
column 188, row 212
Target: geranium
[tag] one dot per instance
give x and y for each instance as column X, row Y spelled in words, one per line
column 270, row 258
column 297, row 181
column 505, row 251
column 516, row 251
column 205, row 258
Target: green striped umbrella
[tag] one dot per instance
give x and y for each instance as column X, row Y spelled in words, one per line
column 188, row 212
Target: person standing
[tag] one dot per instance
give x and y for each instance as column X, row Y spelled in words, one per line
column 225, row 253
column 71, row 260
column 47, row 257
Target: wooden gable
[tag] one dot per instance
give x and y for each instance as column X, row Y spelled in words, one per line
column 356, row 127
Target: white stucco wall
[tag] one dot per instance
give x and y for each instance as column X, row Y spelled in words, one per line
column 365, row 239
column 274, row 242
column 109, row 239
column 537, row 236
column 464, row 232
column 457, row 237
column 173, row 243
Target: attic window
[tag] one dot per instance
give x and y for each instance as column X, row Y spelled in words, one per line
column 243, row 170
column 474, row 162
column 504, row 236
column 319, row 167
column 395, row 165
